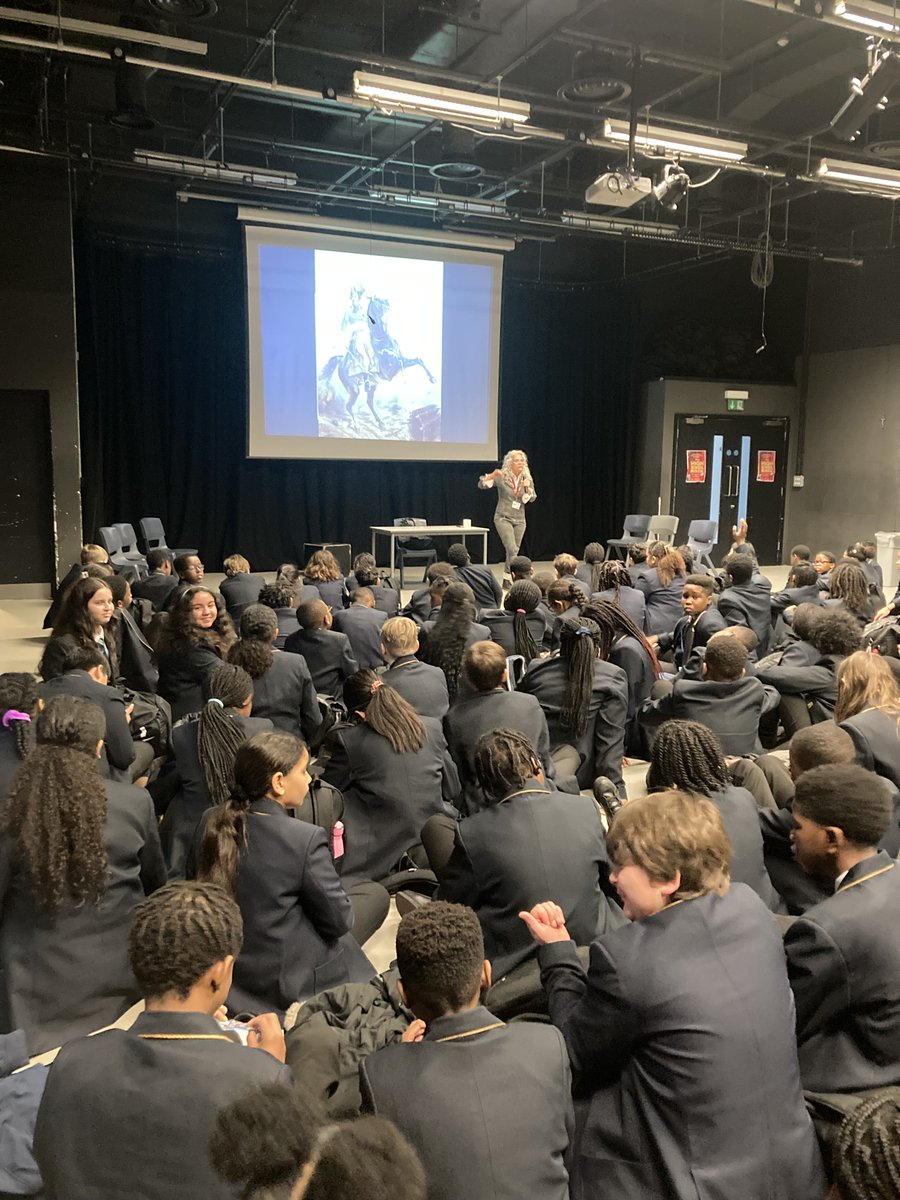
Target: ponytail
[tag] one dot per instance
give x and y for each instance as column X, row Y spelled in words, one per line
column 18, row 700
column 254, row 652
column 670, row 565
column 521, row 599
column 569, row 594
column 386, row 711
column 579, row 641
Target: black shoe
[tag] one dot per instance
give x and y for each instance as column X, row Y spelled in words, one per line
column 607, row 797
column 408, row 900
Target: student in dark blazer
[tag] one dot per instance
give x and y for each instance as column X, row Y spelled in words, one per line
column 120, row 1085
column 617, row 587
column 239, row 587
column 487, row 1105
column 564, row 602
column 444, row 642
column 283, row 689
column 327, row 653
column 843, row 954
column 688, row 756
column 661, row 582
column 70, row 881
column 422, row 686
column 566, row 567
column 160, row 582
column 623, row 644
column 747, row 601
column 492, row 706
column 362, row 623
column 529, row 841
column 365, row 574
column 834, row 634
column 197, row 636
column 868, row 707
column 136, row 667
column 724, row 699
column 802, row 588
column 279, row 597
column 190, row 572
column 420, row 607
column 18, row 704
column 681, row 1033
column 204, row 745
column 394, row 772
column 297, row 916
column 585, row 701
column 692, row 631
column 481, row 579
column 521, row 626
column 324, row 574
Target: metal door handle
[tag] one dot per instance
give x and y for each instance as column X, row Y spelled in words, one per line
column 728, row 484
column 738, row 485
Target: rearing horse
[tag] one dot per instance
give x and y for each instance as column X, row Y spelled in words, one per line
column 388, row 355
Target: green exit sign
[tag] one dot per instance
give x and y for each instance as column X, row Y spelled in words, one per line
column 734, row 405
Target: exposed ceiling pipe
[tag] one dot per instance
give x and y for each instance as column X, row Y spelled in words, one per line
column 827, row 19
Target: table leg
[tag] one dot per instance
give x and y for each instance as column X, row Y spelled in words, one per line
column 373, row 546
column 484, row 537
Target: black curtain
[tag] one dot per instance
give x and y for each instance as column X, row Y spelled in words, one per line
column 161, row 334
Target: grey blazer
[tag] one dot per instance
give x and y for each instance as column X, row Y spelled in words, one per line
column 506, row 497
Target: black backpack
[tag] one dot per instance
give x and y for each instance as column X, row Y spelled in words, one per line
column 323, row 806
column 883, row 637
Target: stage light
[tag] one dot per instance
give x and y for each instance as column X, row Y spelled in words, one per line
column 438, row 200
column 863, row 176
column 673, row 186
column 868, row 16
column 204, row 168
column 655, row 138
column 867, row 96
column 410, row 96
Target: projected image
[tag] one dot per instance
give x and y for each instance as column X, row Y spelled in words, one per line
column 379, row 324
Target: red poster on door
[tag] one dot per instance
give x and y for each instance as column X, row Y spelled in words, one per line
column 696, row 466
column 765, row 466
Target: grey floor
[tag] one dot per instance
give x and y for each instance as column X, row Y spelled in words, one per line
column 21, row 645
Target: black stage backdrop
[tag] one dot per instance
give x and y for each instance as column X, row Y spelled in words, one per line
column 161, row 336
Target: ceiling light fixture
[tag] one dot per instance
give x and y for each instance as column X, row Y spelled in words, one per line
column 644, row 229
column 867, row 96
column 438, row 200
column 867, row 16
column 673, row 186
column 864, row 176
column 117, row 33
column 410, row 96
column 655, row 138
column 204, row 168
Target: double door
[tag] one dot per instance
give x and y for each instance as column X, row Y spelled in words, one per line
column 729, row 468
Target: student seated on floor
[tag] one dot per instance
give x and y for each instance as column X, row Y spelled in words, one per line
column 149, row 1095
column 681, row 1033
column 160, row 582
column 529, row 838
column 692, row 631
column 283, row 689
column 419, row 607
column 487, row 1106
column 481, row 579
column 328, row 654
column 843, row 954
column 422, row 686
column 747, row 601
column 362, row 623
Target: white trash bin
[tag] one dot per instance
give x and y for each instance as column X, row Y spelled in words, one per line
column 888, row 547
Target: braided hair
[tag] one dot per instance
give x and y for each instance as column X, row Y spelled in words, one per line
column 866, row 1151
column 259, row 627
column 579, row 641
column 446, row 644
column 569, row 595
column 687, row 756
column 614, row 623
column 55, row 813
column 18, row 700
column 594, row 554
column 178, row 933
column 611, row 576
column 523, row 598
column 386, row 711
column 504, row 762
column 225, row 687
column 257, row 760
column 849, row 584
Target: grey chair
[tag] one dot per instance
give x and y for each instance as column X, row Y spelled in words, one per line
column 636, row 529
column 702, row 536
column 153, row 535
column 663, row 529
column 413, row 549
column 111, row 540
column 515, row 668
column 129, row 546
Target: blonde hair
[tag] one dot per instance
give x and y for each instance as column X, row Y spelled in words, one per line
column 92, row 553
column 673, row 831
column 323, row 566
column 400, row 635
column 506, row 467
column 865, row 681
column 236, row 564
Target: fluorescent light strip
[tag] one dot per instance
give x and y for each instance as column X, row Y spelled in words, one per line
column 654, row 137
column 870, row 177
column 869, row 18
column 205, row 169
column 493, row 208
column 407, row 95
column 647, row 229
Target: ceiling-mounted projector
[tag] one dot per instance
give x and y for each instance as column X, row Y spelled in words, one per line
column 617, row 190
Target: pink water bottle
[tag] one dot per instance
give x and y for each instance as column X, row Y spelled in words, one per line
column 337, row 840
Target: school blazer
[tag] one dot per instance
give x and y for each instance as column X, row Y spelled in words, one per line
column 876, row 735
column 64, row 975
column 681, row 1040
column 630, row 600
column 500, row 625
column 602, row 743
column 118, row 747
column 362, row 626
column 487, row 1106
column 328, row 656
column 732, row 710
column 690, row 635
column 181, row 675
column 487, row 591
column 843, row 960
column 750, row 604
column 663, row 601
column 388, row 797
column 817, row 683
column 285, row 694
column 157, row 588
column 297, row 918
column 513, row 854
column 423, row 686
column 239, row 592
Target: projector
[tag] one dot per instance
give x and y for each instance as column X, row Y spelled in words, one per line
column 616, row 190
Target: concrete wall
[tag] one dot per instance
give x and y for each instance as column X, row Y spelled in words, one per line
column 664, row 399
column 37, row 321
